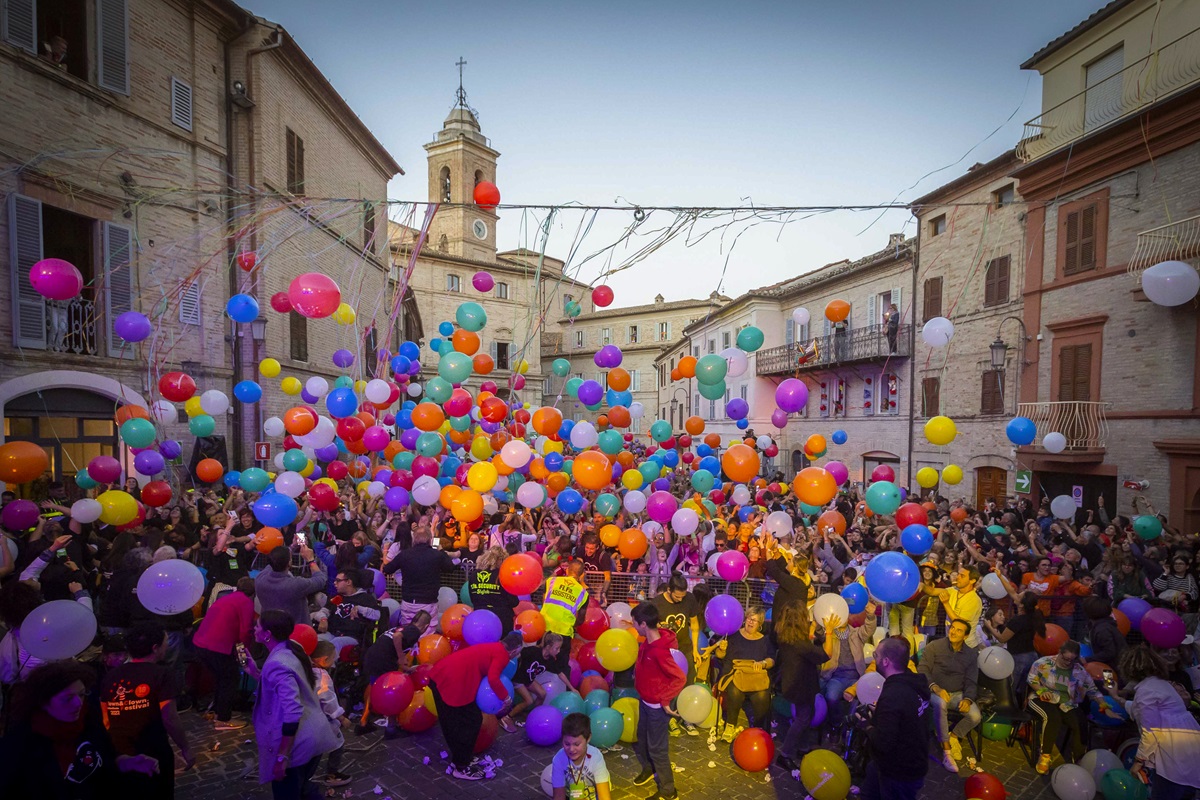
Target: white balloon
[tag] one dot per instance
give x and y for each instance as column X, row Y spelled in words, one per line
column 869, row 687
column 636, row 410
column 800, row 316
column 736, row 361
column 741, row 495
column 650, row 527
column 995, row 662
column 446, row 596
column 584, row 435
column 1072, row 782
column 490, row 506
column 516, row 454
column 621, row 611
column 539, row 444
column 547, row 780
column 1171, row 283
column 279, row 462
column 778, row 523
column 377, row 391
column 634, row 502
column 290, row 484
column 1100, row 761
column 426, row 491
column 830, row 604
column 501, row 483
column 763, row 442
column 163, row 412
column 937, row 332
column 685, row 521
column 376, row 489
column 1063, row 507
column 712, row 563
column 86, row 510
column 992, row 586
column 58, row 629
column 320, row 436
column 709, row 541
column 273, row 426
column 414, row 390
column 170, row 587
column 531, row 495
column 317, row 386
column 1054, row 442
column 214, row 402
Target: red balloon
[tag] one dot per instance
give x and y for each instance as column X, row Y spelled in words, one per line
column 351, row 429
column 176, row 386
column 391, row 692
column 520, row 573
column 322, row 496
column 753, row 749
column 587, row 659
column 1054, row 639
column 156, row 494
column 281, row 303
column 487, row 196
column 883, row 473
column 417, row 718
column 336, row 470
column 911, row 514
column 984, row 786
column 595, row 624
column 247, row 260
column 602, row 296
column 487, row 733
column 314, row 295
column 306, row 637
column 420, row 675
column 136, row 521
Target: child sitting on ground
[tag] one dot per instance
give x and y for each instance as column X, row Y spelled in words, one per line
column 578, row 771
column 548, row 655
column 323, row 657
column 391, row 652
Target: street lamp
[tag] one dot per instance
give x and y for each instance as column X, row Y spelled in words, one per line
column 258, row 329
column 999, row 354
column 675, row 404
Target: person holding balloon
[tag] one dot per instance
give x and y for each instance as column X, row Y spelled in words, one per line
column 749, row 655
column 800, row 655
column 961, row 601
column 1058, row 685
column 1170, row 736
column 847, row 662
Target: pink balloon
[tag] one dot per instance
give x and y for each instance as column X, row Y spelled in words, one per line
column 104, row 469
column 838, row 470
column 314, row 295
column 483, row 281
column 883, row 473
column 375, row 438
column 661, row 506
column 1163, row 628
column 56, row 279
column 732, row 565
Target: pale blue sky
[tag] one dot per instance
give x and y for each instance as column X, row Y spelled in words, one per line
column 808, row 102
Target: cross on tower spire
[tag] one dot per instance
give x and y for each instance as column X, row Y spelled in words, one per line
column 462, row 93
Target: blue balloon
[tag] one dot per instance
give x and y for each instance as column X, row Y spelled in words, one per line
column 511, row 670
column 856, row 597
column 839, row 437
column 1021, row 431
column 446, row 329
column 486, row 699
column 553, row 461
column 482, row 626
column 404, row 419
column 275, row 510
column 231, row 478
column 744, row 513
column 341, row 403
column 248, row 392
column 570, row 501
column 400, row 365
column 242, row 308
column 703, row 450
column 671, row 459
column 710, row 464
column 410, row 350
column 916, row 539
column 742, row 424
column 564, row 430
column 435, row 344
column 616, row 398
column 893, row 577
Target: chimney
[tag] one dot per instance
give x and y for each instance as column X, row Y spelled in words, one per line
column 896, row 240
column 658, row 298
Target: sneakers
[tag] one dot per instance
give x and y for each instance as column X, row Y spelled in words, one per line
column 673, row 728
column 229, row 725
column 337, row 779
column 391, row 734
column 786, row 764
column 644, row 777
column 728, row 734
column 1043, row 764
column 508, row 725
column 690, row 729
column 661, row 795
column 955, row 748
column 471, row 773
column 948, row 762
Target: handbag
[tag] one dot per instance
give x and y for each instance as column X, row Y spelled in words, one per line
column 745, row 679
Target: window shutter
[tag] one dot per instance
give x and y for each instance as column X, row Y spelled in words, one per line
column 1087, row 238
column 872, row 310
column 112, row 45
column 118, row 282
column 25, row 246
column 789, row 332
column 298, row 334
column 181, row 104
column 896, row 298
column 933, row 298
column 1071, row 249
column 826, row 320
column 850, row 317
column 189, row 305
column 369, row 228
column 635, row 381
column 931, row 401
column 20, row 24
column 668, row 331
column 1004, row 267
column 299, row 165
column 1082, row 390
column 290, row 136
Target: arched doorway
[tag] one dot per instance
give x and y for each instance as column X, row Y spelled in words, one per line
column 799, row 461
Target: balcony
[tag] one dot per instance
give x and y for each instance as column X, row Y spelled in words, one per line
column 858, row 346
column 1175, row 241
column 1169, row 70
column 71, row 327
column 1084, row 424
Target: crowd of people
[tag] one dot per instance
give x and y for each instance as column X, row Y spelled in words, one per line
column 342, row 599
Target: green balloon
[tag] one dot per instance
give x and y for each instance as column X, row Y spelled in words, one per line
column 430, row 444
column 1119, row 784
column 572, row 309
column 750, row 339
column 883, row 497
column 471, row 317
column 996, row 731
column 203, row 425
column 607, row 504
column 711, row 369
column 464, row 595
column 703, row 480
column 403, row 460
column 438, row 389
column 514, row 481
column 254, row 479
column 454, row 366
column 344, row 382
column 649, row 470
column 294, row 460
column 1147, row 527
column 137, row 432
column 561, row 367
column 594, row 406
column 573, row 387
column 611, row 442
column 660, row 431
column 461, row 424
column 711, row 391
column 607, row 724
column 996, row 530
column 810, row 510
column 84, row 481
column 568, row 466
column 710, row 505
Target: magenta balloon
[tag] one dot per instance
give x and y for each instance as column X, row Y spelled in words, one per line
column 838, row 470
column 779, row 418
column 732, row 565
column 608, row 356
column 375, row 438
column 483, row 281
column 883, row 473
column 56, row 279
column 661, row 506
column 791, row 395
column 1163, row 628
column 104, row 469
column 724, row 614
column 20, row 515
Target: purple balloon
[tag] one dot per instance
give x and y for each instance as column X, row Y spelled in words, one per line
column 343, row 358
column 661, row 485
column 737, row 408
column 724, row 614
column 680, row 660
column 308, row 397
column 660, row 506
column 779, row 418
column 838, row 470
column 327, row 453
column 483, row 281
column 396, row 498
column 820, row 709
column 414, row 368
column 379, row 583
column 316, row 473
column 590, row 393
column 481, row 626
column 170, row 449
column 149, row 462
column 791, row 395
column 1162, row 627
column 1135, row 608
column 409, row 438
column 20, row 515
column 133, row 326
column 543, row 726
column 490, row 427
column 608, row 356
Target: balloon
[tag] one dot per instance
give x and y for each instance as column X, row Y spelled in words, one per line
column 831, row 604
column 482, row 626
column 940, row 431
column 753, row 750
column 815, row 486
column 750, row 339
column 800, row 316
column 275, row 510
column 791, row 395
column 488, row 701
column 20, row 515
column 927, row 477
column 740, row 463
column 1134, row 608
column 1147, row 527
column 1054, row 442
column 952, row 474
column 732, row 565
column 992, row 586
column 694, row 703
column 433, row 647
column 133, row 326
column 825, row 775
column 892, row 577
column 995, row 662
column 937, row 332
column 391, row 692
column 170, row 587
column 594, row 689
column 83, row 511
column 543, row 726
column 592, row 470
column 58, row 629
column 1021, row 431
column 1063, row 507
column 314, row 295
column 487, row 197
column 1055, row 638
column 685, row 521
column 607, row 726
column 521, row 574
column 21, row 462
column 119, row 507
column 883, row 497
column 616, row 649
column 306, row 637
column 869, row 687
column 1170, row 283
column 633, row 544
column 1072, row 782
column 242, row 308
column 1100, row 761
column 1163, row 628
column 737, row 364
column 916, row 539
column 1119, row 784
column 267, row 539
column 724, row 614
column 56, row 279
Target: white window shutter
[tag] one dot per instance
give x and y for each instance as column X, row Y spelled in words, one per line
column 492, row 351
column 181, row 104
column 118, row 282
column 635, row 381
column 896, row 298
column 668, row 331
column 20, row 24
column 189, row 305
column 112, row 45
column 25, row 245
column 789, row 331
column 872, row 310
column 850, row 318
column 826, row 320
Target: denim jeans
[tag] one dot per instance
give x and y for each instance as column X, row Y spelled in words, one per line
column 654, row 746
column 801, row 733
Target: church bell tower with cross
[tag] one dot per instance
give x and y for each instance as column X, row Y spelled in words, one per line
column 459, row 157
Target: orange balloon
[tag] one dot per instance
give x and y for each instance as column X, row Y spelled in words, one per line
column 464, row 341
column 22, row 462
column 467, row 505
column 432, row 648
column 209, row 470
column 267, row 539
column 633, row 543
column 299, row 420
column 1122, row 621
column 498, row 439
column 687, row 366
column 357, row 447
column 357, row 468
column 618, row 417
column 592, row 470
column 958, row 514
column 815, row 444
column 676, row 375
column 547, row 420
column 619, row 379
column 831, row 520
column 713, row 440
column 452, row 620
column 447, row 495
column 393, row 449
column 815, row 486
column 531, row 624
column 557, row 481
column 501, row 467
column 428, row 416
column 602, row 421
column 929, row 505
column 695, row 426
column 483, row 364
column 459, row 437
column 131, row 411
column 625, row 459
column 740, row 463
column 837, row 310
column 537, row 469
column 610, row 535
column 366, row 418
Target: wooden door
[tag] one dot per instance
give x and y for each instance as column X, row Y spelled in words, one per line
column 990, row 482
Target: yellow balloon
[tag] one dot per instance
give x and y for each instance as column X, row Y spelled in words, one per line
column 291, row 385
column 952, row 474
column 690, row 503
column 825, row 775
column 444, row 428
column 927, row 477
column 330, row 482
column 482, row 477
column 344, row 315
column 269, row 368
column 192, row 406
column 940, row 431
column 117, row 507
column 632, row 479
column 308, row 469
column 526, row 406
column 616, row 649
column 360, row 386
column 554, row 447
column 629, row 708
column 428, row 702
column 481, row 448
column 522, row 368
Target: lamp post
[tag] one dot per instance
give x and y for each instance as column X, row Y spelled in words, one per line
column 675, row 404
column 999, row 355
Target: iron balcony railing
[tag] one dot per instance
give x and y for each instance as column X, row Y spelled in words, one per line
column 1083, row 423
column 1168, row 70
column 71, row 327
column 854, row 346
column 1175, row 241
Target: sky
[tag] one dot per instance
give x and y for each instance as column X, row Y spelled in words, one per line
column 694, row 104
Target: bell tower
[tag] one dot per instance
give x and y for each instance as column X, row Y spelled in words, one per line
column 459, row 157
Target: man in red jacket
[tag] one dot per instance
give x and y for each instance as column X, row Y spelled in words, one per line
column 455, row 681
column 658, row 680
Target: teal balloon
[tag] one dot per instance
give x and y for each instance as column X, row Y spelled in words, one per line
column 711, row 391
column 514, row 481
column 203, row 425
column 611, row 442
column 137, row 432
column 295, row 460
column 1146, row 526
column 254, row 479
column 344, row 382
column 454, row 366
column 623, row 691
column 561, row 367
column 711, row 369
column 710, row 505
column 84, row 481
column 568, row 467
column 568, row 703
column 607, row 505
column 596, row 699
column 660, row 431
column 430, row 444
column 810, row 510
column 573, row 387
column 607, row 724
column 883, row 497
column 594, row 407
column 750, row 339
column 404, row 460
column 464, row 595
column 1119, row 784
column 572, row 309
column 703, row 480
column 461, row 424
column 471, row 317
column 650, row 470
column 439, row 389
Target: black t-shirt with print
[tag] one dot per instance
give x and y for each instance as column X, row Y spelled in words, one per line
column 131, row 696
column 532, row 662
column 677, row 618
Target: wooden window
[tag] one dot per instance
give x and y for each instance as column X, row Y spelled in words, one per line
column 298, row 333
column 996, row 282
column 295, row 163
column 931, row 397
column 992, row 400
column 1005, row 196
column 932, row 306
column 112, row 40
column 1075, row 373
column 368, row 226
column 453, row 283
column 1080, row 247
column 502, row 291
column 937, row 225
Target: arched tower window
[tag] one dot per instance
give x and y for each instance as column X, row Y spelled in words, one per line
column 478, row 177
column 444, row 182
column 443, row 243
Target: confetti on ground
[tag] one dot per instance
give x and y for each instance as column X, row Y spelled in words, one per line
column 712, row 764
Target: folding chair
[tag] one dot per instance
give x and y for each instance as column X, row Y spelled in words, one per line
column 1004, row 709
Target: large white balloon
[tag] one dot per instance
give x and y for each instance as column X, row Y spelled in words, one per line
column 830, row 604
column 1063, row 507
column 995, row 662
column 317, row 386
column 290, row 484
column 778, row 523
column 170, row 587
column 414, row 390
column 1054, row 442
column 320, row 436
column 516, row 454
column 273, row 426
column 634, row 502
column 164, row 412
column 869, row 687
column 685, row 521
column 736, row 361
column 741, row 495
column 636, row 410
column 1072, row 782
column 214, row 402
column 1171, row 283
column 531, row 495
column 937, row 332
column 86, row 510
column 800, row 316
column 992, row 586
column 1100, row 761
column 377, row 391
column 584, row 435
column 426, row 491
column 58, row 629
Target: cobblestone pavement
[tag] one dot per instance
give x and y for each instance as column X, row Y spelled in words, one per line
column 227, row 769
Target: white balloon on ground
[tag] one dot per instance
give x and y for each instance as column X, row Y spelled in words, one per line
column 1072, row 782
column 1171, row 283
column 446, row 598
column 1054, row 442
column 1100, row 761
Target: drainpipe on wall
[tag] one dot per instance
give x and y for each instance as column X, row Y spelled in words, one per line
column 238, row 428
column 912, row 359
